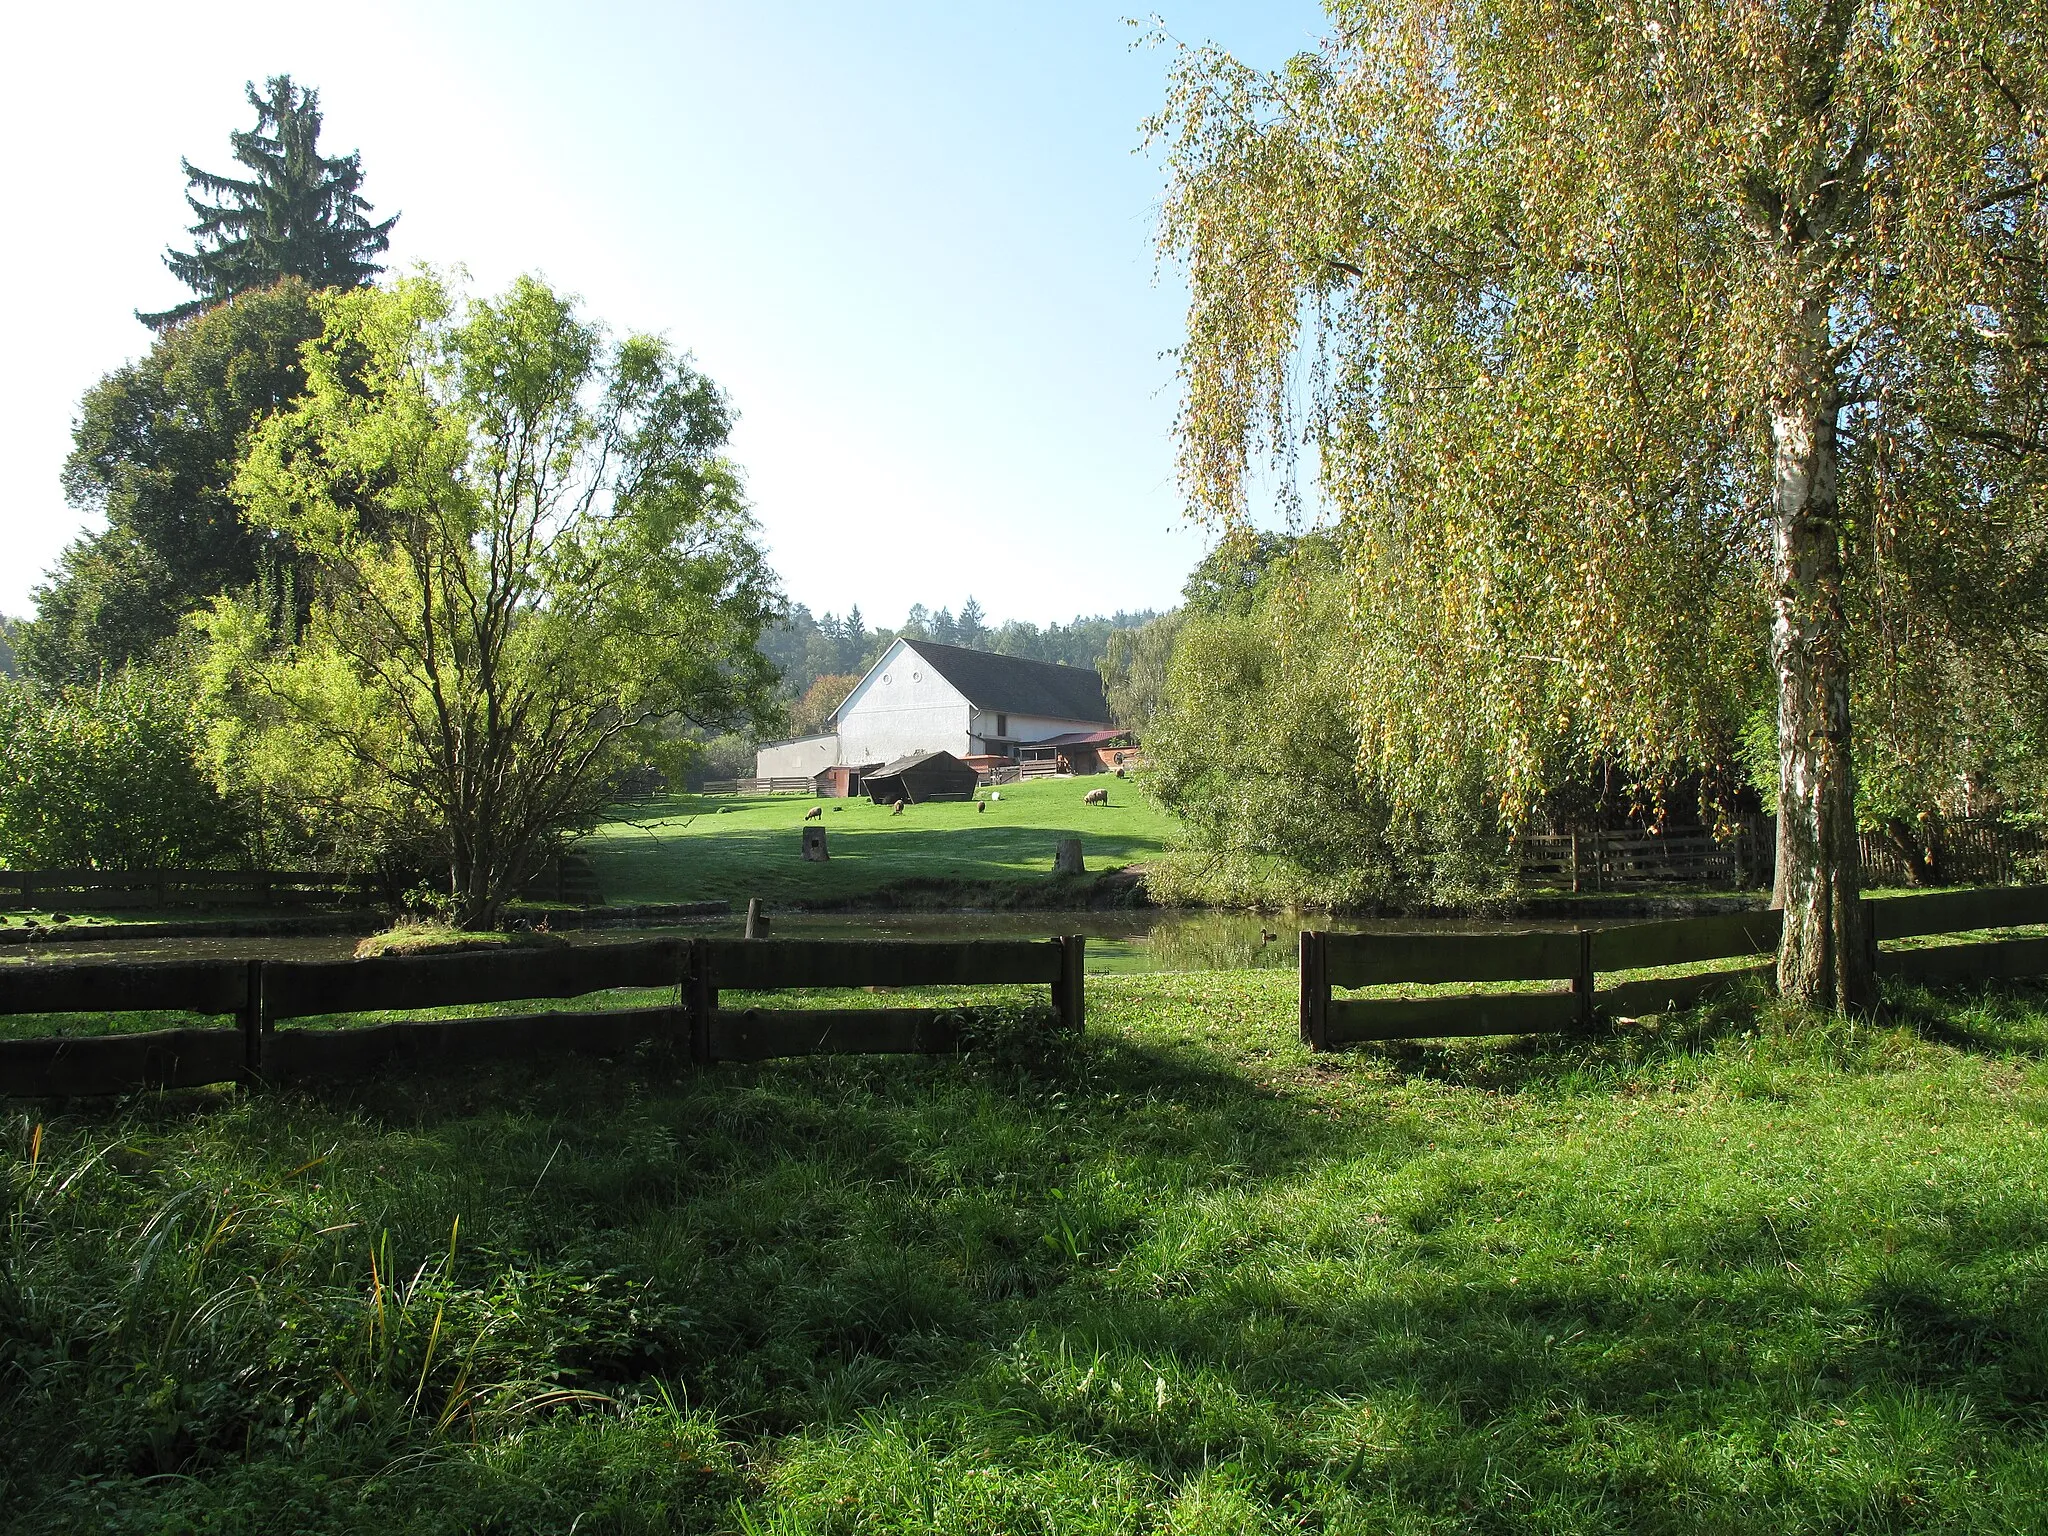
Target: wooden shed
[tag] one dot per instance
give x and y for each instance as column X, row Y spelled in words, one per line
column 920, row 777
column 1080, row 751
column 842, row 780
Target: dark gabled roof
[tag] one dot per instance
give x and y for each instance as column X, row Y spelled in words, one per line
column 916, row 760
column 1016, row 686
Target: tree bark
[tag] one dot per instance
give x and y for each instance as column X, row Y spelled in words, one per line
column 1824, row 957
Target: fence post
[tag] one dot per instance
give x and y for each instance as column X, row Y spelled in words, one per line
column 1070, row 992
column 702, row 1000
column 251, row 1020
column 1582, row 979
column 1315, row 989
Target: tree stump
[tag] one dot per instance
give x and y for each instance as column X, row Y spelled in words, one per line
column 1066, row 859
column 814, row 845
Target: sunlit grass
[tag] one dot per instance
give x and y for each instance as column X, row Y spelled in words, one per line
column 1722, row 1272
column 701, row 847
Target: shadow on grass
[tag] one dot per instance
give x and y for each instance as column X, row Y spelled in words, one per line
column 1148, row 1263
column 2005, row 1018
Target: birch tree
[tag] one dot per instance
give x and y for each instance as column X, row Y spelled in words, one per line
column 1656, row 355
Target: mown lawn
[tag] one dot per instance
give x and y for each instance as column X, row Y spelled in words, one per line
column 1733, row 1273
column 724, row 847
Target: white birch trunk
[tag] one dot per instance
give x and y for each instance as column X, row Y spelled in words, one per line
column 1824, row 959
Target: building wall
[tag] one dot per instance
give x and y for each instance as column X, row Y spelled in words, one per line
column 802, row 758
column 1024, row 729
column 902, row 706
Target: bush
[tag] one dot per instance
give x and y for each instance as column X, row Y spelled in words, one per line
column 108, row 776
column 1256, row 747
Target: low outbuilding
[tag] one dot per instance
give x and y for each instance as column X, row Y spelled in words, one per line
column 921, row 777
column 842, row 780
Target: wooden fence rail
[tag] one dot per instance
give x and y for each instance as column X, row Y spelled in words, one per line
column 1597, row 860
column 793, row 785
column 102, row 889
column 261, row 994
column 1574, row 961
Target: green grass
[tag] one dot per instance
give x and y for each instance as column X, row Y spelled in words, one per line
column 1728, row 1274
column 708, row 848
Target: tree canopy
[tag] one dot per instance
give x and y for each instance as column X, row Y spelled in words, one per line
column 298, row 213
column 529, row 553
column 154, row 452
column 1662, row 361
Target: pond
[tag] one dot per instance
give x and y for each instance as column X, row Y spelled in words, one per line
column 1145, row 940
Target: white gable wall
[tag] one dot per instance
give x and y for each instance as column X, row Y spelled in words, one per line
column 805, row 757
column 902, row 706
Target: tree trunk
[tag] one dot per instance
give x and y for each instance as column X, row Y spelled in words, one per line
column 1922, row 860
column 1824, row 958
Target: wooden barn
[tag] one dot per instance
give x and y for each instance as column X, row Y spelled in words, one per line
column 921, row 777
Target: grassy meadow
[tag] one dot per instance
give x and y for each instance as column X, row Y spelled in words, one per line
column 1727, row 1272
column 726, row 847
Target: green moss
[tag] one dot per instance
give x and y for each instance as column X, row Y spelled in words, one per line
column 440, row 939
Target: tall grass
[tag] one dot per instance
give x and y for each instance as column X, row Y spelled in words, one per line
column 1742, row 1272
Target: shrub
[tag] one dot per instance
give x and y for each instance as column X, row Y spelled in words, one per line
column 107, row 776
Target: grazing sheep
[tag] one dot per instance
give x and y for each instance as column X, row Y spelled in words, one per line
column 899, row 807
column 1096, row 797
column 995, row 794
column 982, row 807
column 815, row 813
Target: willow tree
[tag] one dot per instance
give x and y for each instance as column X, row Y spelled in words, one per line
column 1657, row 356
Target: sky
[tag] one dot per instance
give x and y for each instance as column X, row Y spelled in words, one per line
column 913, row 242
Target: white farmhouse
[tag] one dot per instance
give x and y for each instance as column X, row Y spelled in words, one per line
column 925, row 697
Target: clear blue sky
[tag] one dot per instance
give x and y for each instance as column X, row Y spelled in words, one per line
column 913, row 241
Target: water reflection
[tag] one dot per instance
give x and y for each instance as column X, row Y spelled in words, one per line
column 1146, row 940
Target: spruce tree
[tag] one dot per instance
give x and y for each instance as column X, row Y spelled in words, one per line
column 299, row 214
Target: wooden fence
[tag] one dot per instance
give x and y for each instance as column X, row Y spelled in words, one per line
column 106, row 889
column 1970, row 851
column 260, row 994
column 1619, row 861
column 797, row 785
column 1574, row 961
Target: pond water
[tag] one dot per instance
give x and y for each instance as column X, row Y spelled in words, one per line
column 1143, row 940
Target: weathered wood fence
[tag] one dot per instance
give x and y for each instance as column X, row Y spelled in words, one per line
column 261, row 994
column 107, row 889
column 1575, row 961
column 1986, row 851
column 796, row 785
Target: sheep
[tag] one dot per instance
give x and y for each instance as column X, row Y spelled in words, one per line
column 815, row 813
column 982, row 808
column 1096, row 797
column 899, row 807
